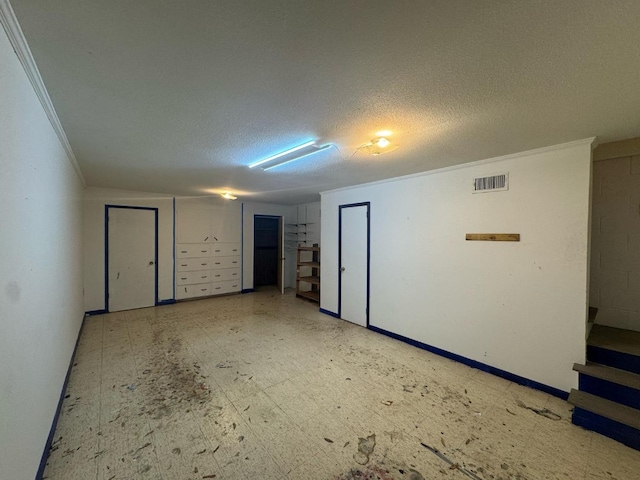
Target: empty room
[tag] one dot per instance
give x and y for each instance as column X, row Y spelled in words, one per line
column 307, row 239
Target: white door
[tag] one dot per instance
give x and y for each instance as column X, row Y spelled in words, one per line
column 131, row 250
column 354, row 250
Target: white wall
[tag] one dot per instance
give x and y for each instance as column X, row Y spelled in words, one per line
column 518, row 306
column 249, row 210
column 615, row 257
column 95, row 200
column 41, row 270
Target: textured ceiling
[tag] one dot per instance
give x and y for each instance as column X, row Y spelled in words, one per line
column 179, row 96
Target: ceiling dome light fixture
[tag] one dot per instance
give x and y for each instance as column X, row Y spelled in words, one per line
column 228, row 196
column 380, row 144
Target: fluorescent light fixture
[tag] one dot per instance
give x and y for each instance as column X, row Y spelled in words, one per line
column 282, row 154
column 315, row 149
column 228, row 196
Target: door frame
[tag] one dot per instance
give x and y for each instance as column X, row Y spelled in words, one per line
column 281, row 257
column 106, row 250
column 340, row 208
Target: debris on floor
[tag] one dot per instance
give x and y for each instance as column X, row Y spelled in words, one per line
column 545, row 412
column 452, row 465
column 365, row 449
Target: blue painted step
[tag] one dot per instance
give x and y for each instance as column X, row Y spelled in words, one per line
column 612, row 358
column 619, row 422
column 616, row 385
column 615, row 348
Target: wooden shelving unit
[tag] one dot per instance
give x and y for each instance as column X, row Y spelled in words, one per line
column 308, row 272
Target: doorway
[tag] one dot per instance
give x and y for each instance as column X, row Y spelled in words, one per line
column 353, row 258
column 131, row 257
column 268, row 259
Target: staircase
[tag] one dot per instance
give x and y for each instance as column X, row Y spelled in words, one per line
column 608, row 399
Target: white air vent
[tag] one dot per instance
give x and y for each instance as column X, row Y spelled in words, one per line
column 494, row 183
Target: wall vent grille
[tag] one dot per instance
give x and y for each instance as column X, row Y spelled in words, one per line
column 494, row 183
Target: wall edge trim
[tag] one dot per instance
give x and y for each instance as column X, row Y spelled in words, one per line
column 329, row 312
column 168, row 301
column 21, row 47
column 90, row 313
column 556, row 392
column 552, row 148
column 247, row 290
column 56, row 416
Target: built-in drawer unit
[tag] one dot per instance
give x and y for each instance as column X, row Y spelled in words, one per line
column 188, row 264
column 225, row 262
column 225, row 287
column 225, row 274
column 189, row 278
column 204, row 269
column 193, row 250
column 221, row 249
column 191, row 291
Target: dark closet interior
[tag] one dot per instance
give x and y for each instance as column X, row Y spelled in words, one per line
column 265, row 255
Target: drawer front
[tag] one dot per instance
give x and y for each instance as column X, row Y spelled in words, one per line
column 193, row 250
column 225, row 262
column 218, row 288
column 221, row 249
column 192, row 291
column 225, row 274
column 186, row 264
column 190, row 278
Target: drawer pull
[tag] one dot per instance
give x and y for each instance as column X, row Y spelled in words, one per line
column 218, row 288
column 185, row 289
column 183, row 251
column 183, row 278
column 203, row 251
column 216, row 250
column 235, row 261
column 218, row 276
column 203, row 289
column 234, row 250
column 183, row 264
column 217, row 263
column 234, row 286
column 204, row 276
column 203, row 264
column 234, row 274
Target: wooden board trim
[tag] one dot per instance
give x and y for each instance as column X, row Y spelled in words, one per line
column 494, row 237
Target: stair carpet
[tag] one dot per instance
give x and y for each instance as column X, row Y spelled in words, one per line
column 608, row 399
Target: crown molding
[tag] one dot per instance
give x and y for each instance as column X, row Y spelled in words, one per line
column 16, row 37
column 586, row 141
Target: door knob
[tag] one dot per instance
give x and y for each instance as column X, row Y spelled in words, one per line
column 342, row 269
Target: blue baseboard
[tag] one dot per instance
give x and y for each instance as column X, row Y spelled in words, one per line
column 609, row 390
column 54, row 424
column 169, row 301
column 247, row 290
column 609, row 428
column 512, row 377
column 95, row 312
column 329, row 312
column 611, row 358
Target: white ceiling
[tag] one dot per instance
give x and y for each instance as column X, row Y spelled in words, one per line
column 180, row 96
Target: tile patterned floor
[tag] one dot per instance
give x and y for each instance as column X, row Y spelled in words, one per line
column 262, row 386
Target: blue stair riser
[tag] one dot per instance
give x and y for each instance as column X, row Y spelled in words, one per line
column 609, row 428
column 609, row 390
column 623, row 361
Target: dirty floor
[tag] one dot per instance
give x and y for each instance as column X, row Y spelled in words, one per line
column 262, row 386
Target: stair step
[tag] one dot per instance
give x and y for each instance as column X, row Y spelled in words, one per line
column 606, row 408
column 615, row 339
column 614, row 375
